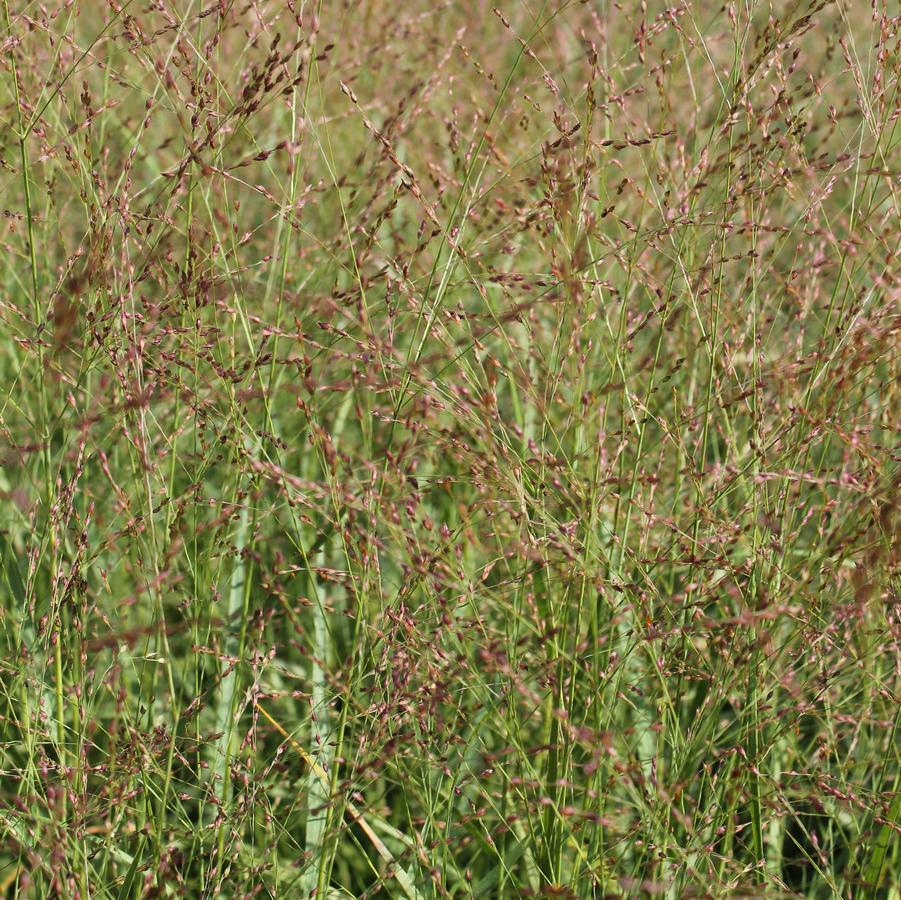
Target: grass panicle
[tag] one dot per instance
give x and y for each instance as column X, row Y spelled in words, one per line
column 450, row 451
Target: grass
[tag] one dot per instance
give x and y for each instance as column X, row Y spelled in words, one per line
column 448, row 451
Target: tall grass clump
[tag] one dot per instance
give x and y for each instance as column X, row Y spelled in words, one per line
column 450, row 451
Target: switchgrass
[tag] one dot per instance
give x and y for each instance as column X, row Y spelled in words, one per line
column 450, row 451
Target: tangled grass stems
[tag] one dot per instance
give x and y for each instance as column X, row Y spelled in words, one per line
column 449, row 450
